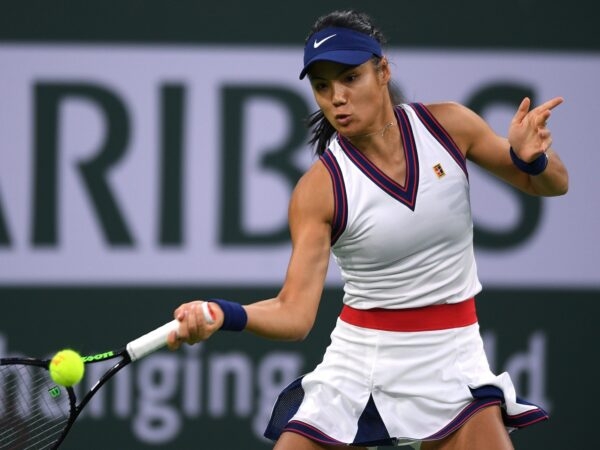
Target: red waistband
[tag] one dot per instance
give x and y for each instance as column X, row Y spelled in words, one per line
column 427, row 318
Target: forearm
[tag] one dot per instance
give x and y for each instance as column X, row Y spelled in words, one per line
column 554, row 180
column 279, row 320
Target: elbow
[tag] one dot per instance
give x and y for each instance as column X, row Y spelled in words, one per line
column 295, row 318
column 564, row 187
column 303, row 336
column 289, row 335
column 300, row 332
column 561, row 183
column 297, row 337
column 563, row 191
column 288, row 328
column 556, row 188
column 286, row 334
column 561, row 188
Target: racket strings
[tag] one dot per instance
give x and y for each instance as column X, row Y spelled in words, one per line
column 33, row 410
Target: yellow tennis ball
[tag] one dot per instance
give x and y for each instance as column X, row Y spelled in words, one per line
column 67, row 368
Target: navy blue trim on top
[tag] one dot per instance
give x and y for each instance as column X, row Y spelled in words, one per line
column 441, row 135
column 406, row 194
column 340, row 206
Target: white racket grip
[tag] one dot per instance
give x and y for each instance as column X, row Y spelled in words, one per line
column 151, row 341
column 208, row 315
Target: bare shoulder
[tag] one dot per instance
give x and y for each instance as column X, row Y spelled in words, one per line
column 464, row 125
column 450, row 114
column 445, row 107
column 316, row 179
column 313, row 194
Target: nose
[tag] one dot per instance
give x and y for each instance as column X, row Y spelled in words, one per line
column 338, row 97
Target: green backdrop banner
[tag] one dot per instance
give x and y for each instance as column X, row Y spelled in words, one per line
column 218, row 395
column 468, row 23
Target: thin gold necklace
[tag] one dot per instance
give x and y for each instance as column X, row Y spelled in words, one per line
column 381, row 132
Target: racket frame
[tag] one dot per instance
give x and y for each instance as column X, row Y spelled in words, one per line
column 134, row 350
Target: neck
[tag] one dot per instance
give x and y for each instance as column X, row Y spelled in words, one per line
column 380, row 132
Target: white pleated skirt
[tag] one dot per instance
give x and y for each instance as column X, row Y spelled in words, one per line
column 378, row 387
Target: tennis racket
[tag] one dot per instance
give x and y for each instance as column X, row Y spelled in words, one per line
column 37, row 414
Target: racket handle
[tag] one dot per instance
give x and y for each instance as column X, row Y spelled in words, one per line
column 151, row 341
column 209, row 317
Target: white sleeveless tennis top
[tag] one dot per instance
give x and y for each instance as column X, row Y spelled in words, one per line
column 404, row 246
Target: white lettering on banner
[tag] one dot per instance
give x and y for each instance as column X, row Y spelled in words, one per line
column 180, row 173
column 159, row 393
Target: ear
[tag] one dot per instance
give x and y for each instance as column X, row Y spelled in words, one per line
column 384, row 70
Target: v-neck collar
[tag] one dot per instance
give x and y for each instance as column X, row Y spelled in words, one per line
column 406, row 194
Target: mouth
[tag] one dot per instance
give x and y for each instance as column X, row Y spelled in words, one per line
column 342, row 119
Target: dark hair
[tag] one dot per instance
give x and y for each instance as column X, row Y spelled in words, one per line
column 321, row 129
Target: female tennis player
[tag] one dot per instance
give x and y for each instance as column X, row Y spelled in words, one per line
column 389, row 196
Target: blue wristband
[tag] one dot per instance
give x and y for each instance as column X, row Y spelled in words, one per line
column 535, row 167
column 234, row 315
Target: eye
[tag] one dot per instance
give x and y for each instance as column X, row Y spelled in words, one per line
column 351, row 77
column 319, row 86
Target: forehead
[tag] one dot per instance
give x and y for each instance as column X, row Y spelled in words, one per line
column 330, row 69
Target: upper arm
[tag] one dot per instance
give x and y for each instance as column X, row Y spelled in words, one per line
column 291, row 314
column 310, row 219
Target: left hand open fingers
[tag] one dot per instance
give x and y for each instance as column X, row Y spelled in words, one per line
column 544, row 133
column 542, row 117
column 550, row 104
column 545, row 139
